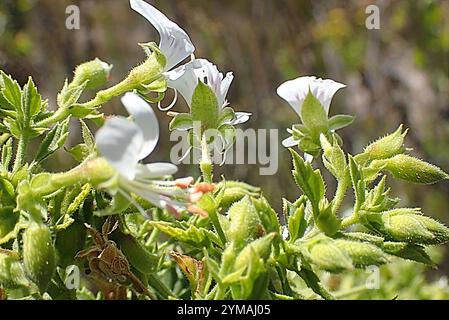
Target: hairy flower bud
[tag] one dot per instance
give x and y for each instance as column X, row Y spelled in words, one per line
column 261, row 247
column 385, row 147
column 96, row 72
column 12, row 275
column 39, row 255
column 326, row 255
column 411, row 169
column 244, row 222
column 362, row 253
column 408, row 225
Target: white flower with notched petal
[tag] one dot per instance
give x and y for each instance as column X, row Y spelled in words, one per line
column 124, row 143
column 295, row 91
column 174, row 43
column 185, row 79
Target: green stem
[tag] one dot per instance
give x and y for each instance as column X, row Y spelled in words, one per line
column 144, row 74
column 59, row 115
column 344, row 293
column 206, row 166
column 220, row 293
column 104, row 96
column 20, row 154
column 351, row 220
column 94, row 171
column 340, row 193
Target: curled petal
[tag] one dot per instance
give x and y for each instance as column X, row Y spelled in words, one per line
column 241, row 117
column 145, row 118
column 185, row 79
column 289, row 142
column 175, row 44
column 295, row 91
column 119, row 141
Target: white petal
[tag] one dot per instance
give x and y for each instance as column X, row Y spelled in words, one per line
column 119, row 142
column 175, row 44
column 241, row 117
column 289, row 142
column 295, row 91
column 224, row 88
column 184, row 80
column 308, row 157
column 144, row 116
column 155, row 170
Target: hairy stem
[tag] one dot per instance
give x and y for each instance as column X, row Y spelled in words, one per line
column 340, row 193
column 94, row 171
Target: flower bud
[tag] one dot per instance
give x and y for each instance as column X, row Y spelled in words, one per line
column 328, row 256
column 261, row 247
column 96, row 72
column 385, row 147
column 414, row 170
column 39, row 255
column 363, row 254
column 409, row 226
column 244, row 222
column 12, row 275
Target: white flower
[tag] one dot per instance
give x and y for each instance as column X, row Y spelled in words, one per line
column 124, row 143
column 174, row 43
column 295, row 91
column 185, row 79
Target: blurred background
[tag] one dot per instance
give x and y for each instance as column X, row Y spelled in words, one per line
column 397, row 74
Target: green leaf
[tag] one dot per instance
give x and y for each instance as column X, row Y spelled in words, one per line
column 313, row 282
column 79, row 152
column 88, row 138
column 377, row 199
column 182, row 121
column 314, row 117
column 358, row 183
column 312, row 185
column 334, row 159
column 11, row 91
column 7, row 154
column 408, row 251
column 70, row 94
column 227, row 114
column 309, row 181
column 340, row 121
column 53, row 141
column 31, row 102
column 297, row 223
column 8, row 220
column 204, row 106
column 7, row 186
